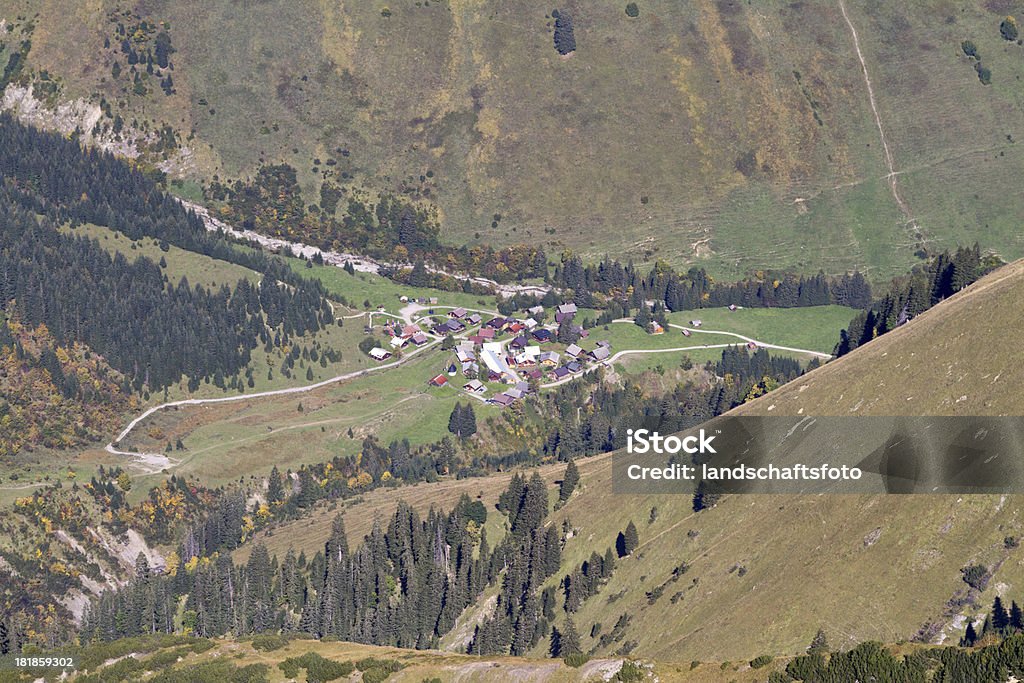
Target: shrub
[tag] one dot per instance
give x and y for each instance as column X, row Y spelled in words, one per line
column 969, row 48
column 984, row 73
column 976, row 576
column 629, row 672
column 576, row 659
column 1008, row 29
column 632, row 10
column 268, row 642
column 760, row 661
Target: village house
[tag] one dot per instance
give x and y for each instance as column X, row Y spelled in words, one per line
column 457, row 314
column 487, row 333
column 574, row 366
column 530, row 323
column 410, row 330
column 574, row 351
column 379, row 354
column 474, row 386
column 601, row 353
column 535, row 310
column 561, row 373
column 419, row 339
column 519, row 343
column 568, row 309
column 438, row 381
column 494, row 358
column 502, row 400
column 543, row 335
column 549, row 358
column 474, row 319
column 398, row 342
column 477, row 339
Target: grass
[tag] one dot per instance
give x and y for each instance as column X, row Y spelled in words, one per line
column 228, row 441
column 750, row 142
column 380, row 291
column 815, row 327
column 199, row 269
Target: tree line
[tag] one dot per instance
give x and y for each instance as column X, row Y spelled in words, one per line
column 909, row 296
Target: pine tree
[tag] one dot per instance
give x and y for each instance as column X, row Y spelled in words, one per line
column 570, row 639
column 1000, row 618
column 569, row 481
column 467, row 422
column 628, row 540
column 455, row 420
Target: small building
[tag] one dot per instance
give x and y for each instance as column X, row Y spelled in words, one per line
column 379, row 354
column 655, row 328
column 452, row 370
column 398, row 342
column 523, row 387
column 543, row 335
column 536, row 310
column 536, row 373
column 574, row 351
column 457, row 314
column 549, row 358
column 605, row 343
column 438, row 381
column 601, row 353
column 686, row 332
column 404, row 299
column 752, row 346
column 515, row 393
column 502, row 400
column 474, row 386
column 568, row 309
column 581, row 332
column 419, row 339
column 733, row 307
column 696, row 322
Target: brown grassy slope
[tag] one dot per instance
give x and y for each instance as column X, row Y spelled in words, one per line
column 863, row 567
column 717, row 132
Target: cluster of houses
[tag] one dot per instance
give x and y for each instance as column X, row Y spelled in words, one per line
column 481, row 357
column 399, row 335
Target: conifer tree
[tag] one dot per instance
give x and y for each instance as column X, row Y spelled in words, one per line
column 569, row 481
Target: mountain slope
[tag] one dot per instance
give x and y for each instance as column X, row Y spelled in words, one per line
column 763, row 573
column 736, row 135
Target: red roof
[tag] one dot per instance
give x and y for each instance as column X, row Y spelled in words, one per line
column 439, row 381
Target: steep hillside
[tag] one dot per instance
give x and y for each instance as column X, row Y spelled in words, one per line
column 733, row 134
column 761, row 574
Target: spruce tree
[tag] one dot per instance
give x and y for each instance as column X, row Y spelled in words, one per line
column 467, row 421
column 570, row 639
column 569, row 481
